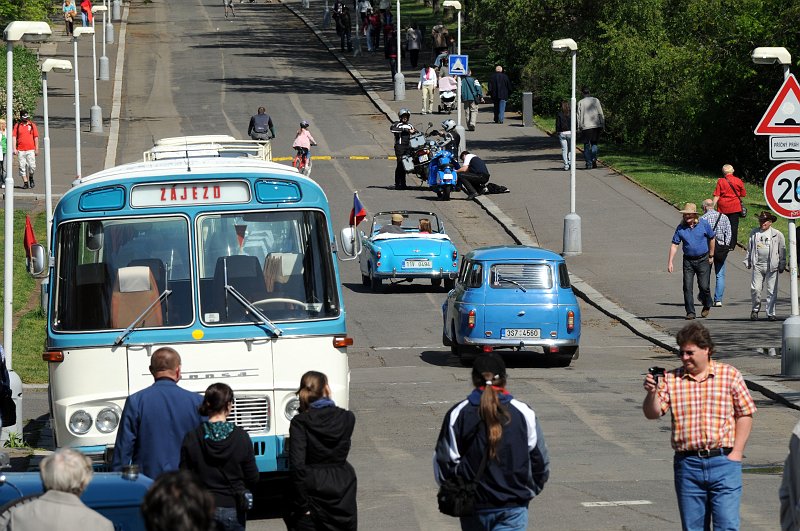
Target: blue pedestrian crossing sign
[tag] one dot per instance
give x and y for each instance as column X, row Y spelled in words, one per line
column 459, row 65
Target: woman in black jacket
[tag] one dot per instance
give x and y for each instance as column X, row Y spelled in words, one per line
column 324, row 482
column 492, row 427
column 221, row 455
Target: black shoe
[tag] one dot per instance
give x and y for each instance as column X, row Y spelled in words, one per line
column 771, row 318
column 689, row 316
column 24, row 186
column 33, row 184
column 705, row 311
column 754, row 316
column 400, row 187
column 594, row 164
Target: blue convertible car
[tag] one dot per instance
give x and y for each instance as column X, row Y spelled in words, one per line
column 512, row 297
column 404, row 245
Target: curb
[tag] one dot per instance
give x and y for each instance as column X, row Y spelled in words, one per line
column 772, row 390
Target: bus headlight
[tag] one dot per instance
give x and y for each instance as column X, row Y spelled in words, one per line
column 107, row 420
column 292, row 408
column 80, row 422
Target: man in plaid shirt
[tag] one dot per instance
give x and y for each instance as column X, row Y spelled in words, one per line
column 712, row 415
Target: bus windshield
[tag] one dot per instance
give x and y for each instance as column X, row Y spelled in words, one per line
column 280, row 261
column 110, row 271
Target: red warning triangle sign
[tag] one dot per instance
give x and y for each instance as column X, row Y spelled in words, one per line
column 783, row 115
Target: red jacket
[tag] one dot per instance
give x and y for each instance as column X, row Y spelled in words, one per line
column 728, row 202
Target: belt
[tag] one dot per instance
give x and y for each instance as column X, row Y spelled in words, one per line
column 698, row 257
column 705, row 454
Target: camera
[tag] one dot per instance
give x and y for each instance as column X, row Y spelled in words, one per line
column 657, row 372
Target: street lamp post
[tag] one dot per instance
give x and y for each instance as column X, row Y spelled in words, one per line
column 57, row 65
column 572, row 221
column 104, row 73
column 95, row 112
column 76, row 34
column 790, row 342
column 19, row 30
column 455, row 4
column 399, row 78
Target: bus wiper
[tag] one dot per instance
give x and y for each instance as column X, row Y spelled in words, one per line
column 503, row 279
column 277, row 332
column 125, row 333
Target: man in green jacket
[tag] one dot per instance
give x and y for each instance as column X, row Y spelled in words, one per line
column 471, row 96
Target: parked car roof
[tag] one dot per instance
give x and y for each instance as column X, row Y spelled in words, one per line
column 512, row 252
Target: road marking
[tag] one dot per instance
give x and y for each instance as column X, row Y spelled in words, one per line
column 339, row 157
column 616, row 503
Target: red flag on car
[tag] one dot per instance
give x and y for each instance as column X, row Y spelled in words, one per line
column 29, row 238
column 358, row 213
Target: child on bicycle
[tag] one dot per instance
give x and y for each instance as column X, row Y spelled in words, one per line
column 303, row 140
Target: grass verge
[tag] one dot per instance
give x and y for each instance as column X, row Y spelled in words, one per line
column 30, row 331
column 675, row 184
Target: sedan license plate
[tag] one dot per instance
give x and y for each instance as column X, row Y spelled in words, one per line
column 521, row 332
column 417, row 264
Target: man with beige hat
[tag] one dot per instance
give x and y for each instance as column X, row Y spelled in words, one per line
column 697, row 238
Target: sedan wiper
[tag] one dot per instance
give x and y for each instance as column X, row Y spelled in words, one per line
column 142, row 316
column 277, row 332
column 503, row 279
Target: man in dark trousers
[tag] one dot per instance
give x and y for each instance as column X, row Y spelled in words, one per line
column 698, row 239
column 473, row 174
column 261, row 127
column 402, row 131
column 499, row 90
column 156, row 419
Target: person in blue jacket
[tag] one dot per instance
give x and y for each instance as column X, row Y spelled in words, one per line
column 156, row 419
column 491, row 421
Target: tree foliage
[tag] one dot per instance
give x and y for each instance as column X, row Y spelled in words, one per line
column 674, row 76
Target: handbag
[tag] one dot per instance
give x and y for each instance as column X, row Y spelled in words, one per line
column 720, row 251
column 456, row 495
column 744, row 208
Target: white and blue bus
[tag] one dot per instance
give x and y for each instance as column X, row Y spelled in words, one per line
column 229, row 260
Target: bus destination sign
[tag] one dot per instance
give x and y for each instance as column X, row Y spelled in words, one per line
column 190, row 193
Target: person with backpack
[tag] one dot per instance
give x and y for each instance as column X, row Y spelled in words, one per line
column 261, row 127
column 495, row 442
column 26, row 146
column 471, row 96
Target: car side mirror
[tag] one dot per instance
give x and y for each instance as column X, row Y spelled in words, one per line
column 38, row 261
column 348, row 241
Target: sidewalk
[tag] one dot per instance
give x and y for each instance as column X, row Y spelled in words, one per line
column 626, row 230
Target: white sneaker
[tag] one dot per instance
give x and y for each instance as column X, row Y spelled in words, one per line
column 718, row 304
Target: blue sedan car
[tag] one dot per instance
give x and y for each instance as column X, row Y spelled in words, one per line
column 512, row 297
column 403, row 245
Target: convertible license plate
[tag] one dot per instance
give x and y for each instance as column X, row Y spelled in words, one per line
column 417, row 264
column 521, row 332
column 423, row 158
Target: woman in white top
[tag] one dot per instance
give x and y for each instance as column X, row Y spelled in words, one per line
column 427, row 83
column 413, row 43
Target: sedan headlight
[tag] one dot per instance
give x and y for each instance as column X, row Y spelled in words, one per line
column 108, row 419
column 292, row 408
column 80, row 422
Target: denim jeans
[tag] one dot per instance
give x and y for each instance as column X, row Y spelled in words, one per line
column 229, row 519
column 719, row 285
column 708, row 490
column 505, row 519
column 702, row 269
column 499, row 110
column 563, row 137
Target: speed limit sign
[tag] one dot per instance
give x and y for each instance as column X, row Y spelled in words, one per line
column 782, row 190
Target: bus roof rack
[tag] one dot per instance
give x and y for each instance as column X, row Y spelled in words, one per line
column 181, row 147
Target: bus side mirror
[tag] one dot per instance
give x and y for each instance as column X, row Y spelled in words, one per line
column 348, row 239
column 38, row 262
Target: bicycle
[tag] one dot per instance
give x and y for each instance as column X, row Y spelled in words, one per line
column 302, row 160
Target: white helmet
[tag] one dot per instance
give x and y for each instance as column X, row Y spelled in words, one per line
column 449, row 125
column 403, row 112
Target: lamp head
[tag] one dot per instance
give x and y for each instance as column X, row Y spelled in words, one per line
column 25, row 30
column 82, row 30
column 564, row 45
column 57, row 65
column 769, row 55
column 455, row 4
column 99, row 9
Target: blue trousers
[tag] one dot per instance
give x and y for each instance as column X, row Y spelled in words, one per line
column 709, row 490
column 505, row 519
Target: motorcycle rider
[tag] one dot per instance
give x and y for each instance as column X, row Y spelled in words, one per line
column 259, row 124
column 402, row 131
column 450, row 136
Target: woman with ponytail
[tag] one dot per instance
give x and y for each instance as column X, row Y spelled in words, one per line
column 324, row 482
column 492, row 425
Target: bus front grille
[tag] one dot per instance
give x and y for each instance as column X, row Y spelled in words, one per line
column 251, row 413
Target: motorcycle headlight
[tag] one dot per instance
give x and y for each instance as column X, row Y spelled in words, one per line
column 108, row 419
column 292, row 408
column 80, row 422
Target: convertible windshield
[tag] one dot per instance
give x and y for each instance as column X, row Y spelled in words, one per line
column 110, row 271
column 411, row 223
column 280, row 262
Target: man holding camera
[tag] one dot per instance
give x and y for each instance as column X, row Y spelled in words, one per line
column 712, row 415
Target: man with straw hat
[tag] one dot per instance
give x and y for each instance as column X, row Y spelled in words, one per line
column 697, row 238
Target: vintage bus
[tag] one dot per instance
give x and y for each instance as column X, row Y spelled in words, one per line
column 229, row 260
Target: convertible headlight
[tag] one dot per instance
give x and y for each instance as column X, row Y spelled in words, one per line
column 108, row 419
column 80, row 422
column 292, row 408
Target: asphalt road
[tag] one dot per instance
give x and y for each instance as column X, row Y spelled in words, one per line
column 189, row 71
